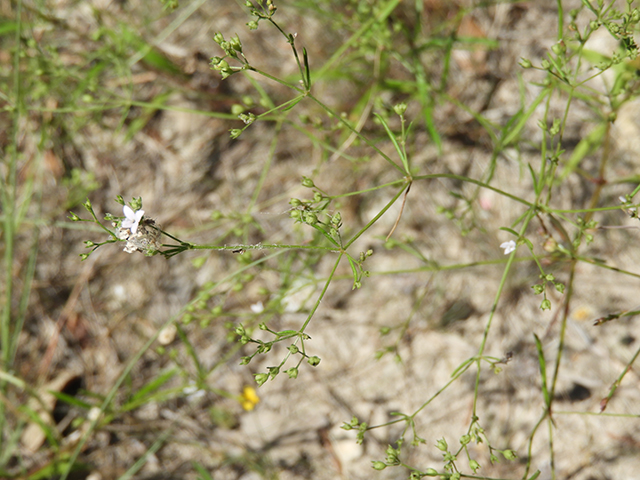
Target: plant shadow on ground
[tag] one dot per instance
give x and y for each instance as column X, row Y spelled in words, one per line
column 330, row 191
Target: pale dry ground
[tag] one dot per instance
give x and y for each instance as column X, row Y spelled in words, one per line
column 184, row 166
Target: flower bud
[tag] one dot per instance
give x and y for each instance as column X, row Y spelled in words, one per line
column 237, row 109
column 525, row 63
column 509, row 454
column 378, row 465
column 400, row 108
column 559, row 48
column 236, row 43
column 310, row 218
column 261, row 378
column 313, row 361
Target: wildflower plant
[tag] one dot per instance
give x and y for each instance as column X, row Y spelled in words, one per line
column 380, row 139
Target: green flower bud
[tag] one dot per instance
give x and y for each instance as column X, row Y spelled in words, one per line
column 465, row 439
column 559, row 48
column 261, row 378
column 292, row 372
column 525, row 63
column 400, row 108
column 89, row 244
column 546, row 304
column 378, row 465
column 245, row 360
column 237, row 109
column 293, row 349
column 264, row 348
column 236, row 43
column 218, row 38
column 509, row 454
column 253, row 25
column 431, row 472
column 310, row 218
column 442, row 445
column 235, row 133
column 73, row 217
column 473, row 465
column 307, row 182
column 537, row 289
column 84, row 256
column 294, row 202
column 313, row 361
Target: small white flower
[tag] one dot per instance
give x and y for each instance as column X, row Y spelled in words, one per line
column 133, row 218
column 257, row 307
column 509, row 247
column 192, row 392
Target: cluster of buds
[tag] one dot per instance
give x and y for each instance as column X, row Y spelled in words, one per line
column 263, row 10
column 232, row 49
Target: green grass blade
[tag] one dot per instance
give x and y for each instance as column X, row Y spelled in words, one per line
column 543, row 372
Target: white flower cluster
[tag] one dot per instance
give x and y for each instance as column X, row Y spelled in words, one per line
column 139, row 232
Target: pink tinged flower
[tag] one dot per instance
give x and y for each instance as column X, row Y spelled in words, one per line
column 132, row 218
column 509, row 247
